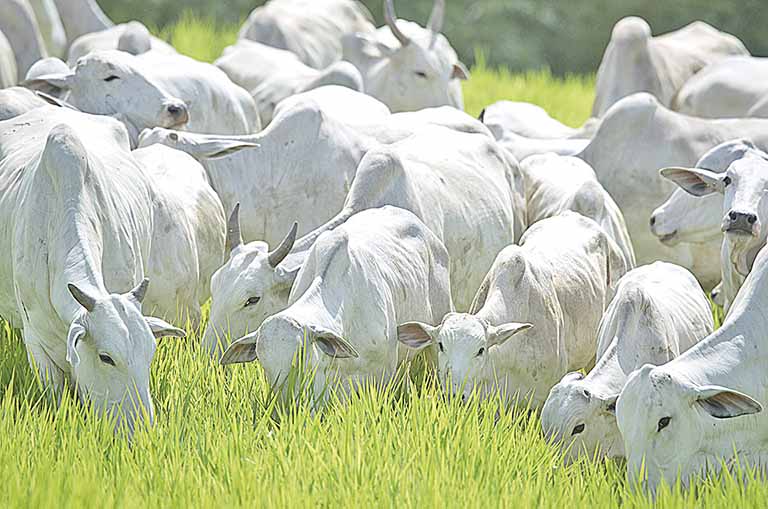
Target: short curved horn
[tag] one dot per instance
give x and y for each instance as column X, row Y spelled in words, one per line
column 280, row 252
column 436, row 19
column 234, row 237
column 140, row 291
column 391, row 19
column 81, row 297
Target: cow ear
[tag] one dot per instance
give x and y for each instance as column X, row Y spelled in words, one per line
column 333, row 345
column 59, row 80
column 242, row 350
column 76, row 333
column 724, row 403
column 498, row 334
column 160, row 328
column 460, row 72
column 609, row 403
column 694, row 181
column 417, row 335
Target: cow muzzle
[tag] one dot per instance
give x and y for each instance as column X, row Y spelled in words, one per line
column 178, row 114
column 741, row 223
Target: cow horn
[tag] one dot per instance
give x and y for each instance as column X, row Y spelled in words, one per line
column 234, row 237
column 81, row 297
column 436, row 19
column 280, row 252
column 140, row 291
column 391, row 19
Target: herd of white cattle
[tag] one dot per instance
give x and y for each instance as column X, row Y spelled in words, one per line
column 321, row 185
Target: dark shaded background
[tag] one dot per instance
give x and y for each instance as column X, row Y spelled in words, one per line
column 566, row 36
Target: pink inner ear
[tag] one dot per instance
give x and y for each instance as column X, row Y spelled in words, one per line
column 413, row 335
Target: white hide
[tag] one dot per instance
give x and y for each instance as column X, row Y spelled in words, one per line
column 15, row 101
column 311, row 29
column 636, row 138
column 81, row 17
column 658, row 312
column 132, row 37
column 8, row 73
column 409, row 69
column 79, row 216
column 728, row 88
column 634, row 61
column 381, row 268
column 524, row 119
column 691, row 414
column 19, row 25
column 534, row 317
column 462, row 186
column 51, row 27
column 272, row 74
column 554, row 184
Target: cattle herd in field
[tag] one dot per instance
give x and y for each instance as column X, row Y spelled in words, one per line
column 321, row 185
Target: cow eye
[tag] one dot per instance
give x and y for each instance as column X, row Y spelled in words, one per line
column 727, row 181
column 106, row 359
column 663, row 423
column 421, row 74
column 440, row 345
column 112, row 78
column 577, row 429
column 481, row 352
column 251, row 301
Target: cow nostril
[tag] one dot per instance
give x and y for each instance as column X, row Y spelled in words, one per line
column 732, row 215
column 751, row 219
column 653, row 220
column 174, row 110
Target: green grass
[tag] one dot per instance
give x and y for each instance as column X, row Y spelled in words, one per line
column 215, row 443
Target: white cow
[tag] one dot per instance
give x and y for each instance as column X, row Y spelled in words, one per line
column 51, row 27
column 19, row 25
column 728, row 88
column 744, row 215
column 156, row 90
column 273, row 74
column 554, row 184
column 524, row 119
column 77, row 223
column 8, row 73
column 381, row 268
column 658, row 312
column 406, row 66
column 132, row 37
column 46, row 67
column 693, row 413
column 557, row 283
column 15, row 101
column 636, row 62
column 81, row 17
column 636, row 138
column 460, row 185
column 311, row 29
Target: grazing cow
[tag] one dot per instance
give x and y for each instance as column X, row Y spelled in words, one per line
column 554, row 184
column 272, row 74
column 406, row 66
column 744, row 186
column 636, row 62
column 132, row 37
column 636, row 138
column 658, row 312
column 8, row 74
column 51, row 27
column 381, row 268
column 554, row 286
column 81, row 17
column 311, row 29
column 728, row 88
column 155, row 90
column 700, row 410
column 462, row 186
column 15, row 101
column 19, row 25
column 77, row 222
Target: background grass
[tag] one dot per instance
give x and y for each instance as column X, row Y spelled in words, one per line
column 216, row 444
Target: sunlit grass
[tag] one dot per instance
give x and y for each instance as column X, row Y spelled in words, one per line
column 220, row 440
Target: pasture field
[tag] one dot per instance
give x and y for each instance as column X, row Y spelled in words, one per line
column 217, row 444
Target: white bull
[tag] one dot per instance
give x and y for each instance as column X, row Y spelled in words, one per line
column 132, row 37
column 381, row 268
column 554, row 286
column 658, row 312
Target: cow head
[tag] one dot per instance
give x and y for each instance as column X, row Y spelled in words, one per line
column 464, row 344
column 253, row 284
column 110, row 346
column 581, row 419
column 115, row 83
column 406, row 66
column 669, row 425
